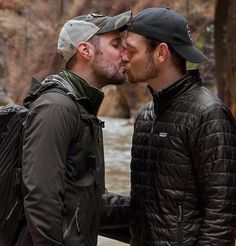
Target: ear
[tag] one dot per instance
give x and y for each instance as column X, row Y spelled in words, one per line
column 85, row 50
column 162, row 52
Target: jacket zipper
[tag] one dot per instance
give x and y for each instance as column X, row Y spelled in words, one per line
column 75, row 217
column 12, row 210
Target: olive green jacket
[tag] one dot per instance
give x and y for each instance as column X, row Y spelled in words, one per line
column 63, row 166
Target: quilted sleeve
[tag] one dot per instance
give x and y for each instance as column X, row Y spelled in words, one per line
column 214, row 154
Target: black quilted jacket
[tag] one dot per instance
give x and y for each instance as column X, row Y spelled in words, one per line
column 183, row 169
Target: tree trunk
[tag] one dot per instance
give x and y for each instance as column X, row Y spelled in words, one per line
column 225, row 51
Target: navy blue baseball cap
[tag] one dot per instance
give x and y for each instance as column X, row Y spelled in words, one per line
column 166, row 25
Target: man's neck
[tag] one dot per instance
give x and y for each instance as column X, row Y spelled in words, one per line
column 165, row 79
column 86, row 74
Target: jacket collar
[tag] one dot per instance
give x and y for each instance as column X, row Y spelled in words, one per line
column 164, row 98
column 90, row 97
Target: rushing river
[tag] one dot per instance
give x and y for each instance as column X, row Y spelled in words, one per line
column 117, row 136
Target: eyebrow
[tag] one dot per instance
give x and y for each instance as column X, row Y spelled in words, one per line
column 116, row 39
column 130, row 45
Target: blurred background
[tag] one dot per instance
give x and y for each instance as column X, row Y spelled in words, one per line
column 28, row 47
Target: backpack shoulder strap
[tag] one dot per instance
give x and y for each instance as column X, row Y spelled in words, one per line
column 62, row 86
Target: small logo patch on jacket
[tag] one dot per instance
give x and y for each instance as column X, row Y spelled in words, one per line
column 163, row 134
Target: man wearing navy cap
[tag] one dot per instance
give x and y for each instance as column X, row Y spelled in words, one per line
column 183, row 167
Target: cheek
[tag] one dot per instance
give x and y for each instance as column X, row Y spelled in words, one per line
column 135, row 62
column 113, row 54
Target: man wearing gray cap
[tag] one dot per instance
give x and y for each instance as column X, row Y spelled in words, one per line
column 183, row 167
column 63, row 162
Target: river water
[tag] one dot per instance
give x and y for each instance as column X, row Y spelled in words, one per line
column 117, row 136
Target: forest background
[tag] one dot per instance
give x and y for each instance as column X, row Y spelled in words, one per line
column 28, row 45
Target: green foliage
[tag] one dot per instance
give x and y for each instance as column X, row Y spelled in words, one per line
column 200, row 44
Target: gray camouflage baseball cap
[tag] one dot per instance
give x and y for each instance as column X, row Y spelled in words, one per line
column 83, row 27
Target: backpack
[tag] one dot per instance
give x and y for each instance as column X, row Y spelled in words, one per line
column 11, row 136
column 11, row 119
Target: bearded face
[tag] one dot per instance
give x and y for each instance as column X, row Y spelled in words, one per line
column 108, row 66
column 140, row 65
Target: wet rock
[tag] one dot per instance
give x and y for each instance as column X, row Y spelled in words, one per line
column 115, row 103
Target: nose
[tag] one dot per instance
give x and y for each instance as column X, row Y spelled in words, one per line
column 124, row 56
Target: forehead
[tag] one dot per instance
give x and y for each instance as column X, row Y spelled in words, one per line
column 134, row 39
column 109, row 36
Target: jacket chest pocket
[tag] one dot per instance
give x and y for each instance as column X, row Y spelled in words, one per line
column 93, row 145
column 159, row 140
column 92, row 129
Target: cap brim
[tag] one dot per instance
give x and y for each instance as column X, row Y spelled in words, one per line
column 117, row 22
column 190, row 53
